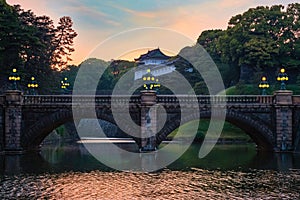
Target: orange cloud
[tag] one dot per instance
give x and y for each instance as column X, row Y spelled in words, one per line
column 190, row 20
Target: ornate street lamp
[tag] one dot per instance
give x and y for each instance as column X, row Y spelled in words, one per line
column 150, row 81
column 282, row 77
column 264, row 85
column 65, row 85
column 32, row 86
column 14, row 77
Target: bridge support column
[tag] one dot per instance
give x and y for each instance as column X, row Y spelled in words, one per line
column 148, row 121
column 13, row 121
column 284, row 120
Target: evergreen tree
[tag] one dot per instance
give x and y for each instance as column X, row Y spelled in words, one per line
column 34, row 45
column 63, row 43
column 11, row 37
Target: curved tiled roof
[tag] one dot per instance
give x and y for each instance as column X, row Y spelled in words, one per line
column 153, row 54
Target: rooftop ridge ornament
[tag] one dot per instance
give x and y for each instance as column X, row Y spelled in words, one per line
column 153, row 54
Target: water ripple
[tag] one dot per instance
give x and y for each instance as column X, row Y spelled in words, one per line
column 167, row 184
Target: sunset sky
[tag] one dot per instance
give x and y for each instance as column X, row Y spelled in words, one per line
column 97, row 20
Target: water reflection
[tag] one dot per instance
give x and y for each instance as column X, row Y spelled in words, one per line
column 75, row 157
column 228, row 172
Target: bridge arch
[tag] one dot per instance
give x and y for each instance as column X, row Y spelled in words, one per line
column 261, row 134
column 37, row 132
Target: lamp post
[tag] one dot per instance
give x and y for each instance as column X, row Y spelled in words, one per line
column 264, row 85
column 32, row 86
column 282, row 77
column 14, row 77
column 150, row 81
column 65, row 85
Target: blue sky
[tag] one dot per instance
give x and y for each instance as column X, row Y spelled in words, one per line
column 96, row 20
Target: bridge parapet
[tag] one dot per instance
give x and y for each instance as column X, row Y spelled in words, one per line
column 47, row 99
column 85, row 99
column 135, row 99
column 172, row 98
column 217, row 99
column 267, row 99
column 249, row 99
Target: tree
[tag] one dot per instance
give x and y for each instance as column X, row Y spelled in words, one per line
column 293, row 11
column 200, row 88
column 34, row 45
column 260, row 52
column 34, row 41
column 10, row 37
column 36, row 50
column 63, row 43
column 209, row 39
column 260, row 37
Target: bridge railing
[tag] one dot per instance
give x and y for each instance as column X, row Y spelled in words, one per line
column 84, row 99
column 135, row 99
column 255, row 99
column 216, row 99
column 107, row 99
column 47, row 99
column 123, row 99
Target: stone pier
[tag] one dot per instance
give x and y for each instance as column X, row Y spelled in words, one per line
column 148, row 120
column 13, row 119
column 284, row 120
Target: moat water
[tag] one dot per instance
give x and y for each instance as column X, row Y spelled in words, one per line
column 228, row 172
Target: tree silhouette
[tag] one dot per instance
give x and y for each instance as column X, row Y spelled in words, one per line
column 63, row 43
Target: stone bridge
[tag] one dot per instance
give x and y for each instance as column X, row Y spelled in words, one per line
column 273, row 122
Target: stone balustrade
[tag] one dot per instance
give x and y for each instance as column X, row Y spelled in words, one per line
column 135, row 99
column 85, row 99
column 217, row 99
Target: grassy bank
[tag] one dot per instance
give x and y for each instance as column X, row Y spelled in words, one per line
column 248, row 89
column 229, row 132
